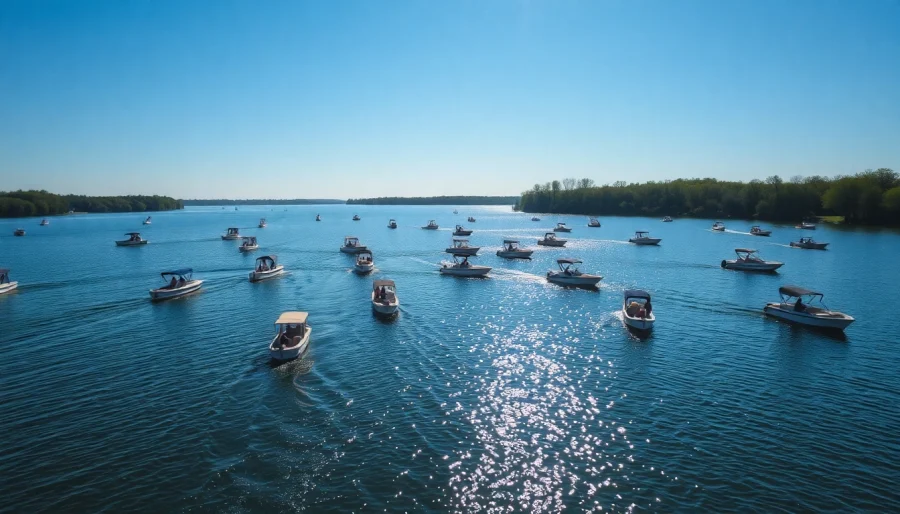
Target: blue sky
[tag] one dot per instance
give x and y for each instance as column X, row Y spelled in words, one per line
column 241, row 99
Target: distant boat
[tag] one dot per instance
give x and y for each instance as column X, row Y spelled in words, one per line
column 667, row 219
column 718, row 226
column 355, row 217
column 392, row 223
column 635, row 310
column 232, row 234
column 291, row 337
column 808, row 244
column 431, row 225
column 756, row 231
column 384, row 298
column 19, row 232
column 813, row 313
column 266, row 267
column 471, row 219
column 511, row 250
column 147, row 221
column 551, row 240
column 262, row 223
column 749, row 260
column 5, row 285
column 594, row 222
column 134, row 239
column 643, row 238
column 570, row 275
column 455, row 211
column 462, row 268
column 535, row 218
column 805, row 225
column 45, row 222
column 461, row 231
column 181, row 283
column 318, row 218
column 248, row 244
column 561, row 227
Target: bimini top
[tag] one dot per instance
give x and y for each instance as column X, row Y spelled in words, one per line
column 744, row 250
column 132, row 233
column 794, row 291
column 560, row 224
column 365, row 252
column 351, row 238
column 510, row 241
column 383, row 283
column 639, row 232
column 549, row 235
column 4, row 271
column 636, row 293
column 292, row 318
column 272, row 258
column 178, row 272
column 568, row 261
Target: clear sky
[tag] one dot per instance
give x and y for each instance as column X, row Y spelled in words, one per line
column 338, row 99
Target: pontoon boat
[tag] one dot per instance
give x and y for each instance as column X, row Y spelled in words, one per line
column 461, row 231
column 431, row 225
column 180, row 283
column 249, row 244
column 551, row 240
column 512, row 250
column 817, row 315
column 351, row 245
column 749, row 260
column 291, row 336
column 718, row 226
column 5, row 285
column 561, row 227
column 462, row 268
column 262, row 223
column 570, row 275
column 134, row 239
column 594, row 222
column 233, row 234
column 756, row 231
column 392, row 223
column 637, row 311
column 642, row 237
column 384, row 298
column 364, row 262
column 266, row 267
column 147, row 221
column 808, row 243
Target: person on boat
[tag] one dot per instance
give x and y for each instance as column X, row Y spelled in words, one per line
column 648, row 307
column 181, row 282
column 173, row 283
column 798, row 306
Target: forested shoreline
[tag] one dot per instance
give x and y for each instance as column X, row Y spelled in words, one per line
column 436, row 200
column 871, row 197
column 20, row 204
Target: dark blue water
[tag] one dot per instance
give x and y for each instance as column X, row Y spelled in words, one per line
column 499, row 395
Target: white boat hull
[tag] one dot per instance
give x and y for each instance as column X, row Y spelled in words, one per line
column 594, row 226
column 562, row 229
column 763, row 233
column 430, row 228
column 719, row 229
column 463, row 251
column 471, row 271
column 231, row 238
column 642, row 324
column 167, row 294
column 809, row 246
column 515, row 254
column 248, row 248
column 364, row 268
column 257, row 276
column 353, row 249
column 557, row 244
column 131, row 243
column 573, row 280
column 812, row 317
column 386, row 307
column 292, row 352
column 751, row 266
column 5, row 288
column 463, row 233
column 645, row 241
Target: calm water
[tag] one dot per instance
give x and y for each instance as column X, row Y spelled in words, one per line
column 499, row 395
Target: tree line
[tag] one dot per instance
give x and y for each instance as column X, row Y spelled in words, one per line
column 17, row 204
column 869, row 197
column 436, row 200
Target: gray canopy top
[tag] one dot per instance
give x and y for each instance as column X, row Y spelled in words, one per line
column 268, row 258
column 510, row 241
column 383, row 283
column 4, row 271
column 744, row 250
column 132, row 233
column 797, row 291
column 636, row 293
column 183, row 272
column 568, row 261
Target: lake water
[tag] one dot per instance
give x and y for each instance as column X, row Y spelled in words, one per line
column 500, row 395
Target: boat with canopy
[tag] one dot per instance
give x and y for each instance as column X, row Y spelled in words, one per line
column 134, row 239
column 718, row 226
column 248, row 244
column 809, row 244
column 291, row 336
column 266, row 267
column 637, row 311
column 384, row 298
column 642, row 237
column 180, row 282
column 364, row 262
column 461, row 247
column 561, row 227
column 461, row 267
column 352, row 246
column 551, row 240
column 392, row 223
column 263, row 223
column 5, row 284
column 431, row 225
column 512, row 250
column 570, row 275
column 813, row 312
column 594, row 222
column 756, row 231
column 461, row 231
column 233, row 234
column 749, row 260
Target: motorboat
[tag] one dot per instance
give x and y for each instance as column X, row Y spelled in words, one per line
column 471, row 219
column 512, row 250
column 356, row 217
column 392, row 223
column 637, row 311
column 570, row 275
column 749, row 260
column 431, row 225
column 45, row 222
column 5, row 285
column 667, row 219
column 266, row 267
column 718, row 226
column 318, row 218
column 233, row 234
column 551, row 240
column 756, row 231
column 384, row 298
column 642, row 237
column 291, row 336
column 461, row 247
column 813, row 313
column 535, row 218
column 351, row 245
column 262, row 223
column 19, row 232
column 594, row 222
column 364, row 262
column 134, row 239
column 455, row 211
column 148, row 220
column 808, row 243
column 248, row 244
column 461, row 231
column 461, row 267
column 805, row 225
column 561, row 227
column 180, row 282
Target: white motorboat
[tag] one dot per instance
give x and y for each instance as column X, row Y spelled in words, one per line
column 512, row 250
column 805, row 225
column 461, row 247
column 181, row 283
column 535, row 218
column 642, row 237
column 248, row 244
column 718, row 226
column 392, row 223
column 463, row 268
column 384, row 298
column 461, row 231
column 266, row 267
column 233, row 234
column 455, row 211
column 318, row 218
column 551, row 240
column 45, row 222
column 594, row 222
column 471, row 219
column 5, row 285
column 749, row 260
column 561, row 227
column 570, row 275
column 291, row 336
column 637, row 311
column 19, row 232
column 134, row 239
column 364, row 262
column 351, row 245
column 756, row 231
column 809, row 244
column 355, row 217
column 148, row 220
column 431, row 225
column 667, row 219
column 813, row 313
column 263, row 223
